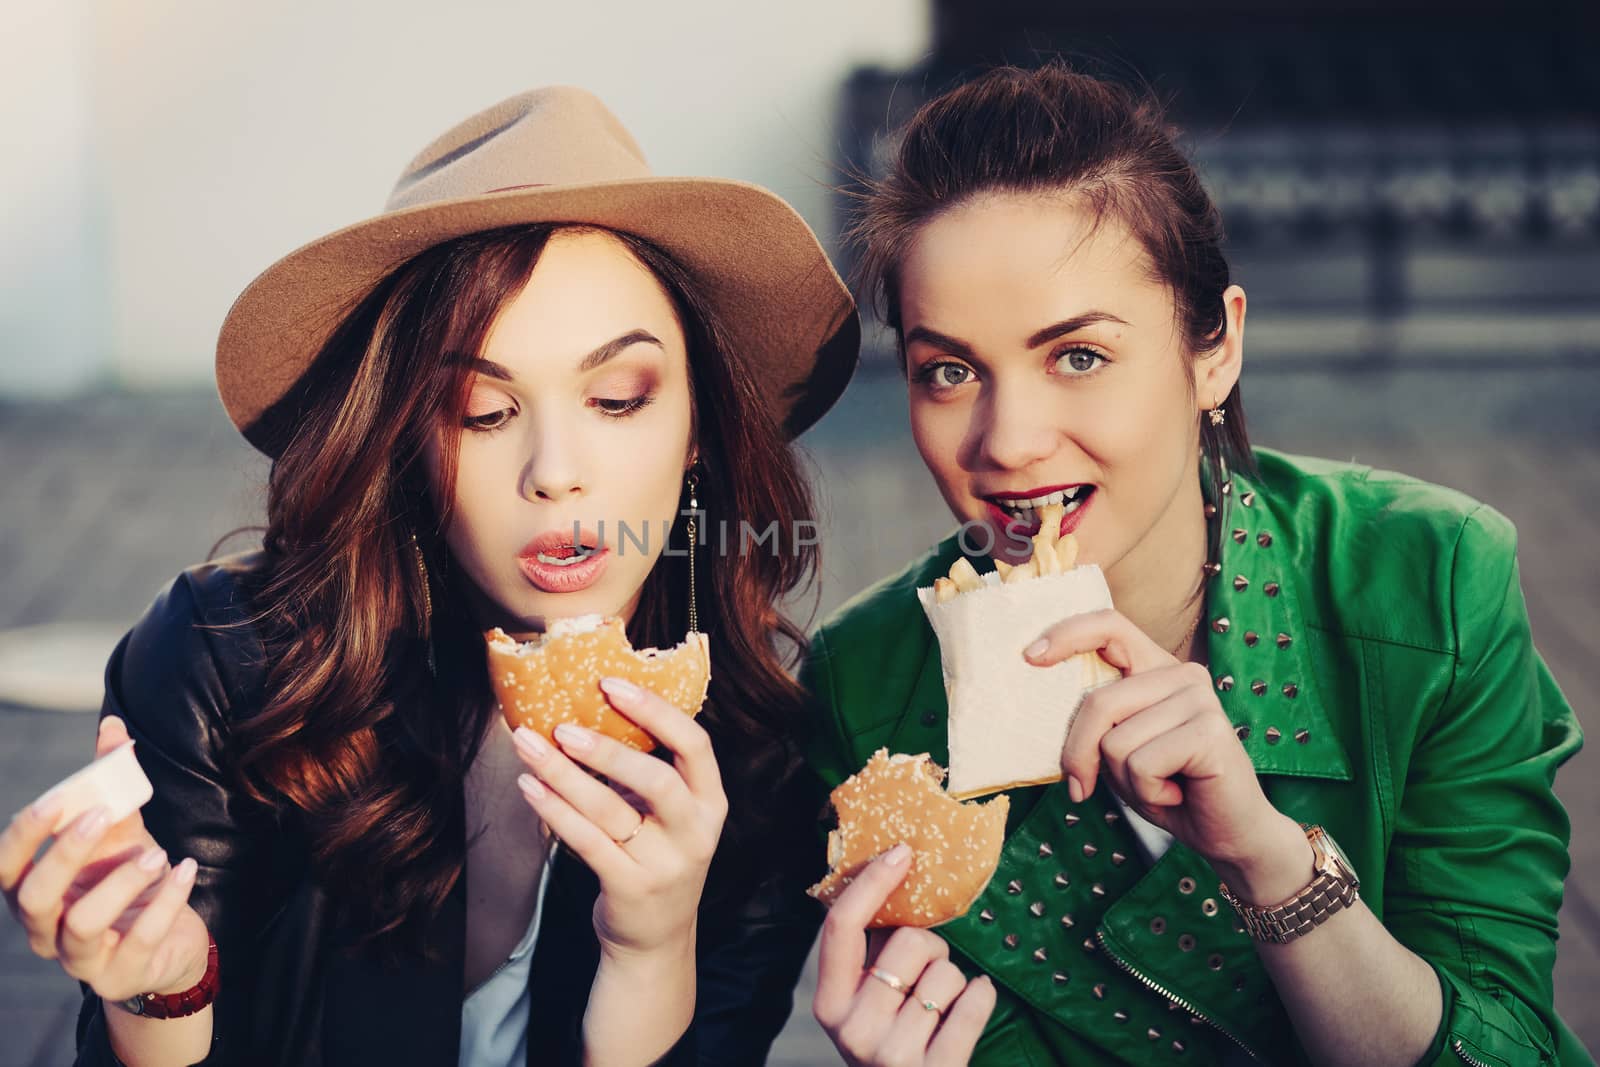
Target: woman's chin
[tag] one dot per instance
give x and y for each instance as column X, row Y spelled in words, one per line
column 524, row 612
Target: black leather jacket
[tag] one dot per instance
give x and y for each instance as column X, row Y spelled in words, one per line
column 290, row 995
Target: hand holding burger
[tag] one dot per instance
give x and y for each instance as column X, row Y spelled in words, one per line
column 585, row 710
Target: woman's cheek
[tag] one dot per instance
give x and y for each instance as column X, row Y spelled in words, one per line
column 938, row 439
column 486, row 487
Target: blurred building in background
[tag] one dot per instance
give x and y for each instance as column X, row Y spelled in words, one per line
column 1400, row 179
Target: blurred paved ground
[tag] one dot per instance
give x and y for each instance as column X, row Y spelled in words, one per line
column 104, row 498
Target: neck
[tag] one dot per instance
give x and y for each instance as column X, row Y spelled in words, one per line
column 1159, row 585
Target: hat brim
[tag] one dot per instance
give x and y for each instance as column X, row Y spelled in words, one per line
column 757, row 263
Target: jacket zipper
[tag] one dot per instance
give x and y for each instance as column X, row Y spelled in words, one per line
column 1100, row 936
column 1465, row 1055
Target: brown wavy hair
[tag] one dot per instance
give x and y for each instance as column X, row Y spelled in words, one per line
column 357, row 738
column 1055, row 129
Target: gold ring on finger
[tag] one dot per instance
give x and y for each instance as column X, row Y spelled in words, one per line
column 894, row 982
column 624, row 840
column 932, row 1005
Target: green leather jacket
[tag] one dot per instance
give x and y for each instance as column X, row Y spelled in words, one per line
column 1369, row 639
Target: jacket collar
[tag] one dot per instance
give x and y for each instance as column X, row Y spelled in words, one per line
column 1259, row 646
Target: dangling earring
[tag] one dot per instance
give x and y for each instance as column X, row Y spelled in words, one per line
column 422, row 572
column 692, row 482
column 427, row 601
column 1218, row 416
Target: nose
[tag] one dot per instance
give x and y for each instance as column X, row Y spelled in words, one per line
column 552, row 471
column 1013, row 428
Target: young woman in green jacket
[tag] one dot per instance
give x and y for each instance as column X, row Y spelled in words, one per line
column 1311, row 653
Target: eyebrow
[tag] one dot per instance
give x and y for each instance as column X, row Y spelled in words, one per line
column 1072, row 325
column 604, row 354
column 938, row 340
column 611, row 349
column 1041, row 337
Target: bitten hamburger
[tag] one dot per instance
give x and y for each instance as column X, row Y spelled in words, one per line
column 555, row 677
column 955, row 846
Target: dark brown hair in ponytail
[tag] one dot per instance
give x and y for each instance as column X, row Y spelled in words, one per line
column 358, row 740
column 1054, row 129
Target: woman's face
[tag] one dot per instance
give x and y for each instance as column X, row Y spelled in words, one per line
column 575, row 442
column 1044, row 363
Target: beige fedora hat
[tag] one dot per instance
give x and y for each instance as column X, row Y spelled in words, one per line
column 557, row 155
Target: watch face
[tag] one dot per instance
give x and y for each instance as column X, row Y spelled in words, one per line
column 1331, row 849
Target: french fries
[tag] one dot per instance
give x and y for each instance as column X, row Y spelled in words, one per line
column 1008, row 715
column 1067, row 553
column 1052, row 554
column 966, row 579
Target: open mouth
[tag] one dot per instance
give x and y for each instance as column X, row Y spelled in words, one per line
column 563, row 561
column 1024, row 511
column 564, row 555
column 562, row 547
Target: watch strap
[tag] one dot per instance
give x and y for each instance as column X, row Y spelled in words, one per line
column 1333, row 888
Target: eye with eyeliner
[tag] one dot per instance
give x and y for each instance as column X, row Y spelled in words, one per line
column 926, row 375
column 624, row 391
column 1062, row 355
column 622, row 408
column 488, row 423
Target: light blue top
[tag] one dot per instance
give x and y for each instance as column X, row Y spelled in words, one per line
column 494, row 1016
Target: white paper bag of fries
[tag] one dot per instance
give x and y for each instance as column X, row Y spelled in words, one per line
column 1008, row 718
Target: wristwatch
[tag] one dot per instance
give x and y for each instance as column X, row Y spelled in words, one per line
column 1333, row 888
column 178, row 1005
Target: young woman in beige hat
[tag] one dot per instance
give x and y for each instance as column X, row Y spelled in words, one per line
column 348, row 858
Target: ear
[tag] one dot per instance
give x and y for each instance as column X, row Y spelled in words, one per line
column 1216, row 372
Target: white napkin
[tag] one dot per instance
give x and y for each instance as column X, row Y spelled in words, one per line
column 1009, row 719
column 114, row 781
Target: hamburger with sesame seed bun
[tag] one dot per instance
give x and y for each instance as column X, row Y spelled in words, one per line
column 555, row 677
column 955, row 846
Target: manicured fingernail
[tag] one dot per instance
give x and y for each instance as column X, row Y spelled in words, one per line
column 898, row 856
column 1074, row 789
column 574, row 737
column 153, row 860
column 1037, row 649
column 184, row 872
column 49, row 806
column 531, row 743
column 620, row 688
column 94, row 822
column 531, row 786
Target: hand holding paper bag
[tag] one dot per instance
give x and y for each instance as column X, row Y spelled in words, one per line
column 1008, row 718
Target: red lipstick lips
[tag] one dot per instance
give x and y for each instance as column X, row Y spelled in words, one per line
column 543, row 561
column 1011, row 527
